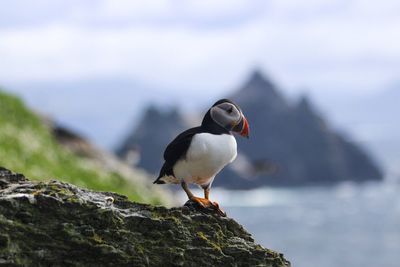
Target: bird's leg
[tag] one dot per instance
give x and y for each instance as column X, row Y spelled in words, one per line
column 214, row 204
column 206, row 192
column 205, row 203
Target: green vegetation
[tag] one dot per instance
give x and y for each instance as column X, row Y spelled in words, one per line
column 27, row 146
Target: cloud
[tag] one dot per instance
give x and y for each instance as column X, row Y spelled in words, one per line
column 203, row 45
column 124, row 54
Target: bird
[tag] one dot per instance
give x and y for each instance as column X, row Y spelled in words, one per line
column 198, row 154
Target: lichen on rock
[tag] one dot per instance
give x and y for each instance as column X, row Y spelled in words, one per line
column 58, row 224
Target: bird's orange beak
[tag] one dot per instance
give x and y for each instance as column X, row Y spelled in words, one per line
column 245, row 130
column 242, row 127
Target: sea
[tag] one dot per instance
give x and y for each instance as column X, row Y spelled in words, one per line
column 348, row 225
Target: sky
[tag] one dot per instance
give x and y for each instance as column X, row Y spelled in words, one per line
column 203, row 45
column 117, row 55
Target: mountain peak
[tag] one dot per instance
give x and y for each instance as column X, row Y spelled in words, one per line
column 257, row 74
column 259, row 89
column 259, row 79
column 154, row 113
column 152, row 134
column 306, row 111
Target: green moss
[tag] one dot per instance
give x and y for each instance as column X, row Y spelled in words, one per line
column 210, row 243
column 27, row 146
column 139, row 249
column 97, row 238
column 202, row 236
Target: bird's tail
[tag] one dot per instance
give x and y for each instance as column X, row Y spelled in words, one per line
column 159, row 181
column 166, row 176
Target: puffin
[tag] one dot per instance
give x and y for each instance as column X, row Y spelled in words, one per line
column 198, row 154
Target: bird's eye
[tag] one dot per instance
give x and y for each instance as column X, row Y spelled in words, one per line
column 230, row 110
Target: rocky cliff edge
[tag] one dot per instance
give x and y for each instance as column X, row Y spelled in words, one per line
column 58, row 224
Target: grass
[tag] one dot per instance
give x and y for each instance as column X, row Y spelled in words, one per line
column 27, row 146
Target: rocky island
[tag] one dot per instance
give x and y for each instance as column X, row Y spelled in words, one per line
column 58, row 224
column 291, row 143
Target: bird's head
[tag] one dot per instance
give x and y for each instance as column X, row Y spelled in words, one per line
column 228, row 115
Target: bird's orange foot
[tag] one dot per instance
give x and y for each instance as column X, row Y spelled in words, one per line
column 205, row 203
column 218, row 209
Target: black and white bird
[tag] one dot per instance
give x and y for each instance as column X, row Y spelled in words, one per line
column 197, row 155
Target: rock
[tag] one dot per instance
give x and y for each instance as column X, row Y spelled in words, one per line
column 147, row 141
column 58, row 224
column 297, row 139
column 291, row 143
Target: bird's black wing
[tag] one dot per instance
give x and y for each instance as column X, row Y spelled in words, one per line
column 176, row 150
column 179, row 146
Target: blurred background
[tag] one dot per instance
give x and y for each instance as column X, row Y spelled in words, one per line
column 93, row 91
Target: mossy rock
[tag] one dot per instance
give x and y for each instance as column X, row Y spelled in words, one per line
column 58, row 224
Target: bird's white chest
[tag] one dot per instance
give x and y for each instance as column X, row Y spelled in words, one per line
column 206, row 156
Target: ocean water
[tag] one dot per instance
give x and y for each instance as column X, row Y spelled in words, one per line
column 347, row 225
